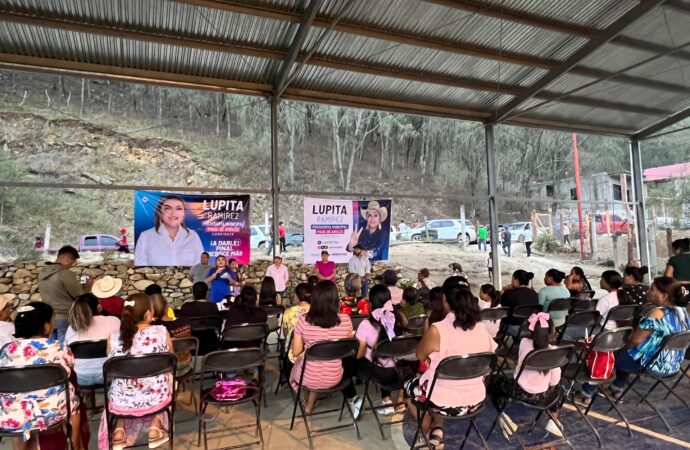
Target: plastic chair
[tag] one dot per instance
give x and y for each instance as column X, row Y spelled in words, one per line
column 181, row 346
column 140, row 366
column 677, row 342
column 219, row 363
column 25, row 379
column 402, row 347
column 606, row 341
column 518, row 317
column 455, row 368
column 94, row 349
column 542, row 360
column 417, row 324
column 333, row 350
column 583, row 305
column 623, row 315
column 207, row 330
column 245, row 335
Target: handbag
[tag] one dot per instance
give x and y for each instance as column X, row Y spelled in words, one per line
column 599, row 364
column 231, row 390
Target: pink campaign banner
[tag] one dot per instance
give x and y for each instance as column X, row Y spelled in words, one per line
column 336, row 226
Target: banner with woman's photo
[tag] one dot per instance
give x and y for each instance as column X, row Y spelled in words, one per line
column 338, row 226
column 174, row 229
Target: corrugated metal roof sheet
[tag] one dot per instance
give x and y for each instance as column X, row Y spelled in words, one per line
column 425, row 56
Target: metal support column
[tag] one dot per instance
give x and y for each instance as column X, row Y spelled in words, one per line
column 639, row 198
column 493, row 218
column 275, row 188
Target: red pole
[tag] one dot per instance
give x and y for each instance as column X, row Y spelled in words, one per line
column 581, row 224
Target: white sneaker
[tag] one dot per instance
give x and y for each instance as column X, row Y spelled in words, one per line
column 386, row 409
column 356, row 406
column 552, row 428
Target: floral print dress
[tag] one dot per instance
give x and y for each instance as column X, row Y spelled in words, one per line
column 38, row 409
column 142, row 396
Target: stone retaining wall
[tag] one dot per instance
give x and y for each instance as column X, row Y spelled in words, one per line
column 21, row 278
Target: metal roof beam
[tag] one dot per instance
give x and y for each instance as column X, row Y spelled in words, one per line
column 667, row 122
column 339, row 64
column 602, row 38
column 281, row 79
column 455, row 47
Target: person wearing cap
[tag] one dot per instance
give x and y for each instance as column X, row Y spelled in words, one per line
column 372, row 237
column 59, row 287
column 106, row 289
column 325, row 269
column 6, row 325
column 279, row 273
column 359, row 265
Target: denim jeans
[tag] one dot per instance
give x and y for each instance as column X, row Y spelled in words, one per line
column 481, row 245
column 506, row 248
column 60, row 330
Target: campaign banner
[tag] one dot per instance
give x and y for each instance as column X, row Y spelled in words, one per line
column 338, row 226
column 174, row 229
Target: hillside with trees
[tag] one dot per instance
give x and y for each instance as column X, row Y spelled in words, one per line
column 57, row 129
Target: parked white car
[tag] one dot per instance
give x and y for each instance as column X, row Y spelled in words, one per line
column 444, row 229
column 259, row 237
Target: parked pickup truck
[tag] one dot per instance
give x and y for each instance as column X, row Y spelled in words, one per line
column 97, row 243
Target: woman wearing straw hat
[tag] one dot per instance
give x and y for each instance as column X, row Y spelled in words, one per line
column 107, row 290
column 373, row 237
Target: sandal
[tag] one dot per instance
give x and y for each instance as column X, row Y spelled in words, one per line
column 401, row 408
column 436, row 439
column 160, row 440
column 119, row 444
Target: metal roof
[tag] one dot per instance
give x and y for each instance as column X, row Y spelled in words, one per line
column 609, row 66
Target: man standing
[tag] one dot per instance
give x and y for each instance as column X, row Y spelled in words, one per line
column 482, row 235
column 59, row 287
column 402, row 228
column 281, row 233
column 359, row 264
column 280, row 274
column 199, row 272
column 507, row 241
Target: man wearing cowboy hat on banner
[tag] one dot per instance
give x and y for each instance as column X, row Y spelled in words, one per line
column 375, row 234
column 106, row 289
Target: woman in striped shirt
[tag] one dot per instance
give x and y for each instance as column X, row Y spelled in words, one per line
column 321, row 323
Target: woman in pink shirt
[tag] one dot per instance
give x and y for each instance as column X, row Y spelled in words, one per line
column 460, row 333
column 534, row 387
column 325, row 269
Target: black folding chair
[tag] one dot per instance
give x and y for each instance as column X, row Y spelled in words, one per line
column 247, row 335
column 416, row 324
column 140, row 366
column 583, row 304
column 606, row 341
column 560, row 305
column 623, row 315
column 493, row 314
column 357, row 319
column 585, row 295
column 25, row 379
column 585, row 320
column 217, row 364
column 333, row 350
column 274, row 323
column 207, row 330
column 678, row 342
column 94, row 349
column 541, row 360
column 183, row 346
column 284, row 365
column 455, row 368
column 402, row 347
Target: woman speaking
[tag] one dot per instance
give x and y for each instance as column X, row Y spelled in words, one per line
column 169, row 242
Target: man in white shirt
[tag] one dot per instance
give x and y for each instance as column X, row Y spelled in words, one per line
column 280, row 274
column 6, row 326
column 403, row 227
column 566, row 234
column 359, row 264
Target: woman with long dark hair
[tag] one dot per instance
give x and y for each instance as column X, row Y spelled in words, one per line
column 633, row 292
column 459, row 333
column 268, row 294
column 138, row 397
column 170, row 242
column 244, row 310
column 321, row 323
column 489, row 298
column 576, row 281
